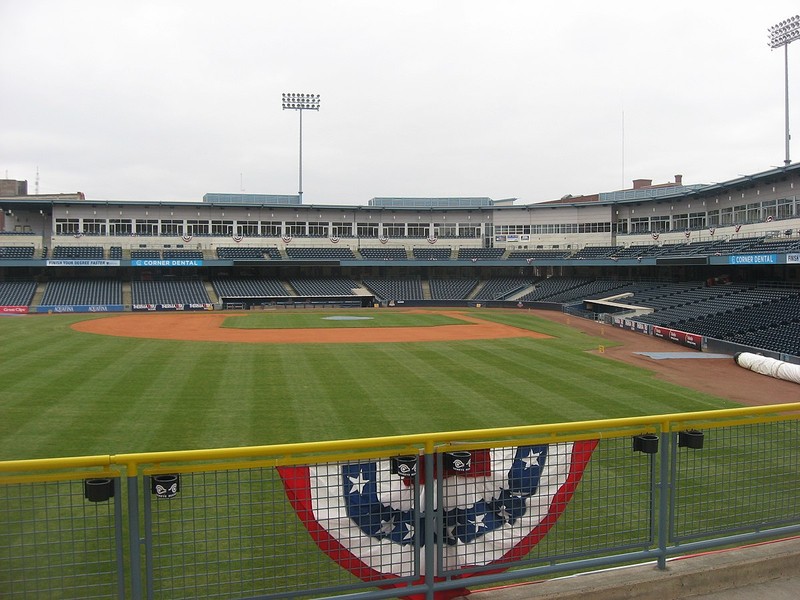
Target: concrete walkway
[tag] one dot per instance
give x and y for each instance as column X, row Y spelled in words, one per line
column 769, row 571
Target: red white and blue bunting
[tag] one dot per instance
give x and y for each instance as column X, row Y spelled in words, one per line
column 369, row 520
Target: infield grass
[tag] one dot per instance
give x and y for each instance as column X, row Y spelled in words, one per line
column 316, row 319
column 68, row 393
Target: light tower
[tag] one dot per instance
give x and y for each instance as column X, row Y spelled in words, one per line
column 301, row 102
column 783, row 34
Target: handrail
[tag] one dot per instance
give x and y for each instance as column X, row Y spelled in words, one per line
column 429, row 441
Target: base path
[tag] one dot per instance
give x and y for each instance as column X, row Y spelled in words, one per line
column 207, row 327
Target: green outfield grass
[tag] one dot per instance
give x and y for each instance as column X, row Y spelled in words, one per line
column 67, row 393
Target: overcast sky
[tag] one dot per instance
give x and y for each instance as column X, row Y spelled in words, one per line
column 504, row 98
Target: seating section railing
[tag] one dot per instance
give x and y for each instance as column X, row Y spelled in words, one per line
column 396, row 516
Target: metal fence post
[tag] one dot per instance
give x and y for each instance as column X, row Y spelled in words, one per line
column 664, row 485
column 430, row 524
column 133, row 536
column 119, row 536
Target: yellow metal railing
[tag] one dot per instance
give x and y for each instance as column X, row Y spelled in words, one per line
column 234, row 522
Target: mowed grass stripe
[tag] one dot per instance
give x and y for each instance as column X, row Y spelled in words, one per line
column 72, row 393
column 342, row 319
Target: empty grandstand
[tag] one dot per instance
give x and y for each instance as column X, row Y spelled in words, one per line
column 249, row 253
column 169, row 292
column 451, row 289
column 249, row 288
column 395, row 289
column 691, row 257
column 83, row 292
column 16, row 293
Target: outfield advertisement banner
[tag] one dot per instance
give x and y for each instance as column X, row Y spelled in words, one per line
column 631, row 325
column 79, row 308
column 753, row 259
column 81, row 262
column 181, row 307
column 171, row 262
column 14, row 310
column 679, row 337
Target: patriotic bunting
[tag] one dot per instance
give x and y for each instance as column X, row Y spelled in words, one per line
column 370, row 520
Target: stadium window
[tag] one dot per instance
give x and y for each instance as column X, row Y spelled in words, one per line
column 395, row 230
column 658, row 224
column 94, row 226
column 367, row 230
column 468, row 230
column 222, row 228
column 785, row 208
column 768, row 209
column 197, row 227
column 447, row 230
column 171, row 227
column 640, row 224
column 146, row 227
column 68, row 226
column 753, row 212
column 740, row 214
column 247, row 228
column 120, row 226
column 697, row 220
column 726, row 216
column 418, row 230
column 342, row 229
column 271, row 228
column 317, row 229
column 296, row 228
column 713, row 218
column 680, row 222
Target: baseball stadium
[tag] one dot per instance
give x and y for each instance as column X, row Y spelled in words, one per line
column 248, row 396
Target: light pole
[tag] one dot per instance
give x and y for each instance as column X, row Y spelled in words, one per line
column 301, row 102
column 783, row 34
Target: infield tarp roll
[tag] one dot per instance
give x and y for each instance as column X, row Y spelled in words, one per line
column 768, row 366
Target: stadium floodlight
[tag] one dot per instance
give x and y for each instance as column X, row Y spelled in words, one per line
column 783, row 34
column 301, row 102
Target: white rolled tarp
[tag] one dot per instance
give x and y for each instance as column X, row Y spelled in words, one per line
column 768, row 366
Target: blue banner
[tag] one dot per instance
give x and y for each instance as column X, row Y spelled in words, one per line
column 753, row 259
column 79, row 308
column 166, row 262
